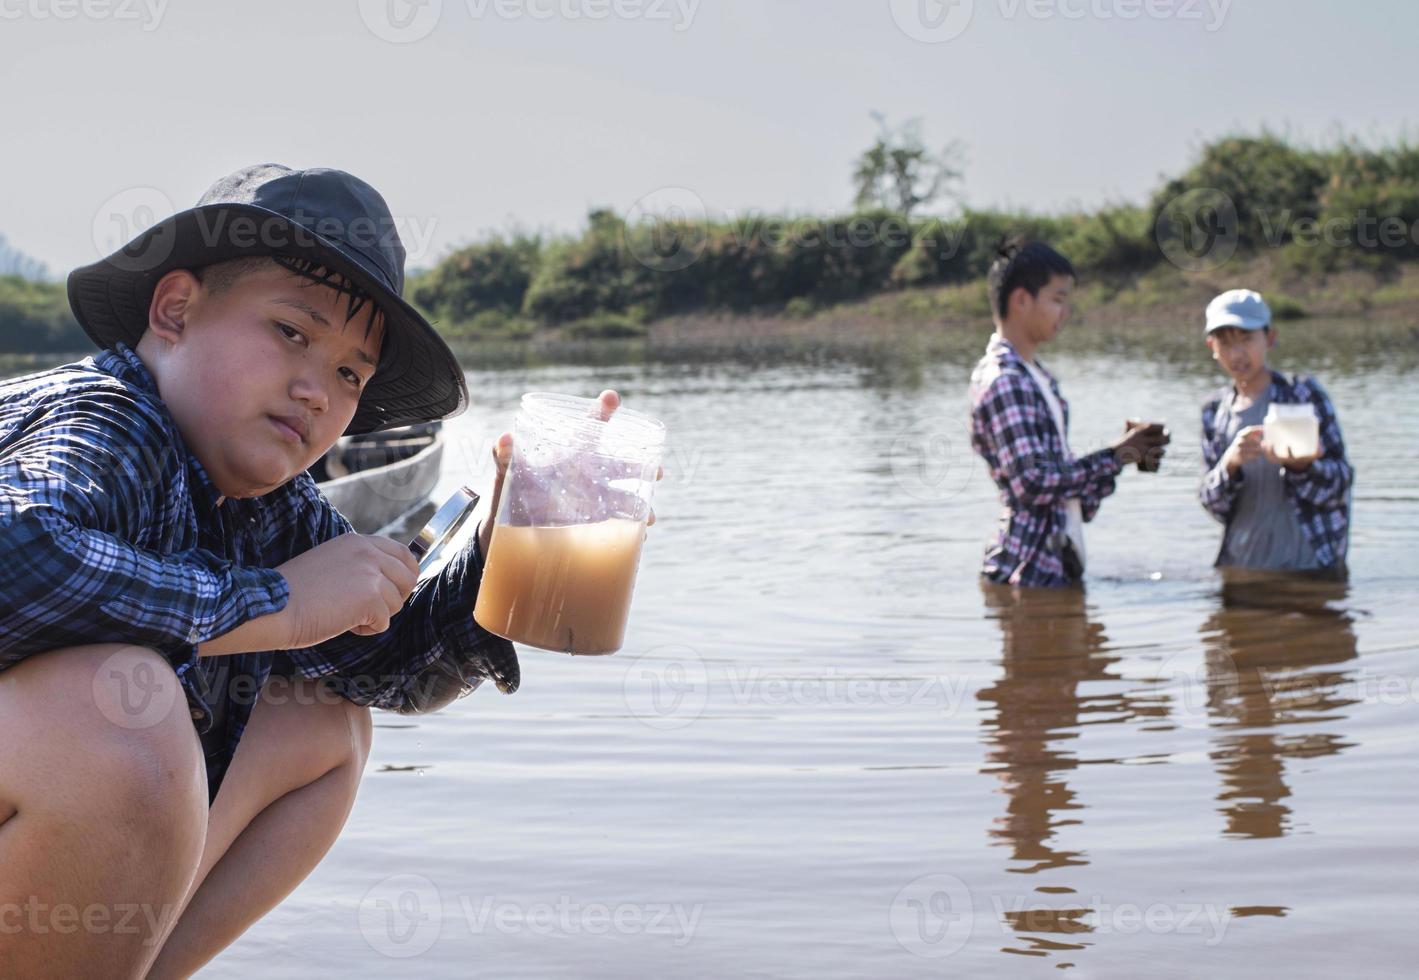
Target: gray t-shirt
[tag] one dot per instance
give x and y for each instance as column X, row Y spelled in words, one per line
column 1263, row 531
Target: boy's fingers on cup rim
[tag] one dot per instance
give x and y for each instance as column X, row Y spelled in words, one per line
column 606, row 403
column 502, row 450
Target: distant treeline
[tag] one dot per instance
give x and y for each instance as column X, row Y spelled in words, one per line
column 1319, row 210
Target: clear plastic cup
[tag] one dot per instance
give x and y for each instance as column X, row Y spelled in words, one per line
column 1292, row 430
column 566, row 542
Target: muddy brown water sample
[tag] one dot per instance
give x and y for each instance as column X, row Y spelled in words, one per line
column 566, row 589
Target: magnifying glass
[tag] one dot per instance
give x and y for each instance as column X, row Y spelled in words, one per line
column 443, row 526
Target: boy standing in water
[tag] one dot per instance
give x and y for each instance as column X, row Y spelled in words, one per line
column 1020, row 426
column 1283, row 514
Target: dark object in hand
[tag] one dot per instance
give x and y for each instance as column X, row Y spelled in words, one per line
column 1155, row 440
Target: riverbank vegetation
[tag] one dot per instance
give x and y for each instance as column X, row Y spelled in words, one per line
column 1325, row 230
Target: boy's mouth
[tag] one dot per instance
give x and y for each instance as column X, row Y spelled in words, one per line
column 291, row 428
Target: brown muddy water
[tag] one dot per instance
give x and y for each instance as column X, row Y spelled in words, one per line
column 825, row 750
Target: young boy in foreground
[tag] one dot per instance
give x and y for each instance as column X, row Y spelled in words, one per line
column 1020, row 427
column 1290, row 513
column 191, row 637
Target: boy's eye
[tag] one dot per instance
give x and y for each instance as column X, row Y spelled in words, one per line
column 288, row 331
column 353, row 376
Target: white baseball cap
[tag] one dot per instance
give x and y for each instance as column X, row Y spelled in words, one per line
column 1240, row 308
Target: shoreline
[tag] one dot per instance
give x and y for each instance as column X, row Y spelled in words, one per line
column 1170, row 300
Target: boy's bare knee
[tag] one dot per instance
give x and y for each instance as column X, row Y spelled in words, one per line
column 335, row 733
column 361, row 734
column 104, row 729
column 108, row 801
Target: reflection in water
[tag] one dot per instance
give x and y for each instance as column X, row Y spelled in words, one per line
column 1049, row 646
column 1271, row 651
column 1270, row 669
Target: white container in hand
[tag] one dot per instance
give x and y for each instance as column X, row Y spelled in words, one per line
column 1292, row 430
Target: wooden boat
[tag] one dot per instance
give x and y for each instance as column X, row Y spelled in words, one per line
column 384, row 478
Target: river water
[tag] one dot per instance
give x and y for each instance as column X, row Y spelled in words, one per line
column 826, row 750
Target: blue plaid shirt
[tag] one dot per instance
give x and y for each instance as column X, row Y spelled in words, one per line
column 1320, row 495
column 1013, row 431
column 113, row 532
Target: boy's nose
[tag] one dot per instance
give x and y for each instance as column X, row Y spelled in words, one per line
column 311, row 392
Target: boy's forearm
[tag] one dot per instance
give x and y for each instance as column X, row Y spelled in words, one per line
column 1038, row 479
column 1322, row 482
column 263, row 633
column 93, row 587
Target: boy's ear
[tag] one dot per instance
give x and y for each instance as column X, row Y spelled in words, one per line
column 172, row 298
column 1018, row 299
column 1270, row 337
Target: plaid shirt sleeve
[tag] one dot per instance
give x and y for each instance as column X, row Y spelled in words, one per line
column 1011, row 415
column 1219, row 488
column 432, row 651
column 1325, row 484
column 79, row 491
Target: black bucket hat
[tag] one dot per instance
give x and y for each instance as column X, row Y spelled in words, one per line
column 327, row 216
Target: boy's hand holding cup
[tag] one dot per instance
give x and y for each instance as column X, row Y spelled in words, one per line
column 1142, row 443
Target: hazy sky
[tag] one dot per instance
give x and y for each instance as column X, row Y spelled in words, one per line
column 473, row 116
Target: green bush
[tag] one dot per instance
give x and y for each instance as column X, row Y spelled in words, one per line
column 487, row 325
column 1113, row 240
column 604, row 326
column 35, row 318
column 800, row 308
column 1271, row 185
column 492, row 275
column 1370, row 204
column 1284, row 307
